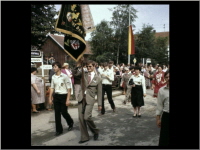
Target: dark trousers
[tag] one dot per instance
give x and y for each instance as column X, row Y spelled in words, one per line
column 108, row 90
column 164, row 131
column 61, row 108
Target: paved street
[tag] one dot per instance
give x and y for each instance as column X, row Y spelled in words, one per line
column 116, row 129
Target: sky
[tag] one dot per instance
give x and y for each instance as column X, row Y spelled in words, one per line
column 156, row 15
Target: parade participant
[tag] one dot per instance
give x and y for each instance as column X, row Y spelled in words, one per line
column 51, row 73
column 163, row 109
column 61, row 83
column 110, row 65
column 91, row 84
column 100, row 69
column 158, row 81
column 77, row 79
column 68, row 72
column 37, row 90
column 47, row 104
column 125, row 80
column 107, row 78
column 138, row 91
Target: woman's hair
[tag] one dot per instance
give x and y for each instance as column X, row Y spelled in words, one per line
column 57, row 64
column 166, row 73
column 33, row 69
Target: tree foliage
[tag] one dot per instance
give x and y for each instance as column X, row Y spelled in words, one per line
column 42, row 22
column 144, row 42
column 102, row 43
column 148, row 46
column 111, row 36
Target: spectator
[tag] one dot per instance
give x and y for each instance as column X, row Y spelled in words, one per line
column 37, row 90
column 163, row 109
column 158, row 81
column 147, row 77
column 51, row 59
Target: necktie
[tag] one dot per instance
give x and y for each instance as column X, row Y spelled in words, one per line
column 89, row 77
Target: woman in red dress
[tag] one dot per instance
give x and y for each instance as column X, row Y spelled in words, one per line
column 158, row 81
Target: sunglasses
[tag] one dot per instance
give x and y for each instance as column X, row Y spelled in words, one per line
column 88, row 66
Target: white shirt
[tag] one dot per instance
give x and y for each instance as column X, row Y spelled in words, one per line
column 139, row 80
column 110, row 75
column 61, row 83
column 100, row 70
column 162, row 100
column 92, row 76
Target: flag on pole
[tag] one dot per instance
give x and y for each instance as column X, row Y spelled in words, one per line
column 70, row 23
column 131, row 44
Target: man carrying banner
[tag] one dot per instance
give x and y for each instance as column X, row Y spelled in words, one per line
column 75, row 21
column 91, row 84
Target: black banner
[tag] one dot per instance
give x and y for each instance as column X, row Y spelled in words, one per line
column 70, row 23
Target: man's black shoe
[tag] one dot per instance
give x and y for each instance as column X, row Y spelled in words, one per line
column 82, row 141
column 96, row 136
column 70, row 127
column 58, row 133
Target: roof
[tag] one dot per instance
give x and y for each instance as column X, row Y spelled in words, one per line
column 162, row 34
column 60, row 41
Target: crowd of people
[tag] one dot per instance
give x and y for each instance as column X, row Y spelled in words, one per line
column 88, row 78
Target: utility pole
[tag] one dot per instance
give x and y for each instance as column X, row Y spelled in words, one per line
column 128, row 26
column 119, row 36
column 164, row 27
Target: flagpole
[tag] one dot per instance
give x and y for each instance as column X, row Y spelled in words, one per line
column 128, row 26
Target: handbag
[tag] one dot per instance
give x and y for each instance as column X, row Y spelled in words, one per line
column 131, row 82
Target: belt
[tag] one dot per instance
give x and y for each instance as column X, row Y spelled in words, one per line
column 60, row 94
column 106, row 84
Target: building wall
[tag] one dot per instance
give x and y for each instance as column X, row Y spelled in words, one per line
column 58, row 53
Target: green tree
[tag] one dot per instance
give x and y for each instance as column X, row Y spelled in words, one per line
column 145, row 42
column 102, row 42
column 160, row 53
column 120, row 22
column 42, row 22
column 148, row 46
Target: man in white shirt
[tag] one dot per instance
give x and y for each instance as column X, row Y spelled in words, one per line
column 100, row 69
column 61, row 83
column 107, row 78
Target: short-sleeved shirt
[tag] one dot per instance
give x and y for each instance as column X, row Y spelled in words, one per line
column 139, row 80
column 108, row 73
column 162, row 100
column 61, row 83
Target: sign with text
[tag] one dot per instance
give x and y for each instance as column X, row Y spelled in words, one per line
column 46, row 67
column 35, row 53
column 36, row 59
column 148, row 60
